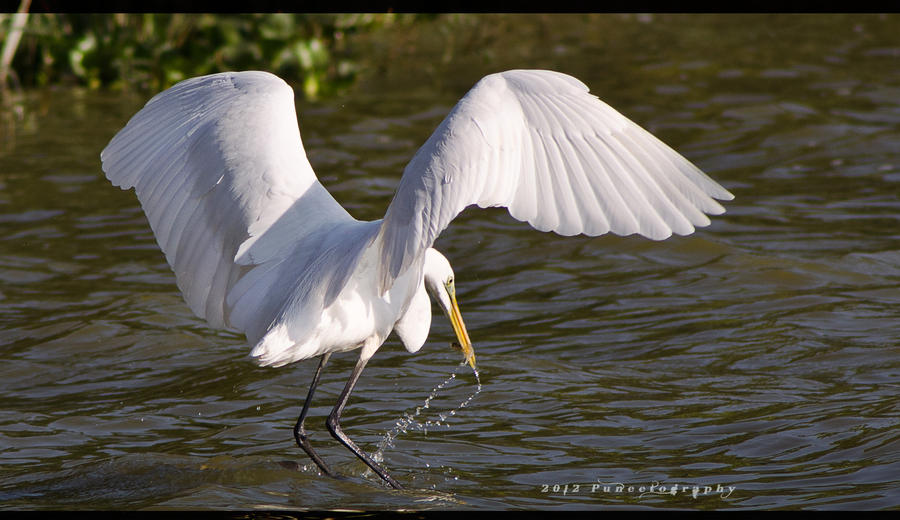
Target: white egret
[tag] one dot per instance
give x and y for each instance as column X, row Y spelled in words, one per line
column 259, row 246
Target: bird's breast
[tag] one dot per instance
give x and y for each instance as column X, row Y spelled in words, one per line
column 359, row 315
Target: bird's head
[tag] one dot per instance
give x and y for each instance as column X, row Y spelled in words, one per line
column 439, row 282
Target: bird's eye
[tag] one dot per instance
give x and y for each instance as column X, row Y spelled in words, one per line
column 450, row 281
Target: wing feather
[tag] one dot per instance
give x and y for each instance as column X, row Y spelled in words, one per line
column 538, row 143
column 219, row 168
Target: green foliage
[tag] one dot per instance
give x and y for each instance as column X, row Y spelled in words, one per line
column 150, row 52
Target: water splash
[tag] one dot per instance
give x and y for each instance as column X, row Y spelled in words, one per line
column 411, row 421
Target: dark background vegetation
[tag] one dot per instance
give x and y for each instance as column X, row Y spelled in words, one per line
column 151, row 51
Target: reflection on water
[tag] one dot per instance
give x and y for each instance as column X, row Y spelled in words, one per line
column 760, row 353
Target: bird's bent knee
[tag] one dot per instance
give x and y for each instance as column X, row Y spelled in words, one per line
column 333, row 425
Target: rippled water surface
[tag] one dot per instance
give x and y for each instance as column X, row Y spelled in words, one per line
column 754, row 364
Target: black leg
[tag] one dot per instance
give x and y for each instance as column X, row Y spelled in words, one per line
column 334, row 421
column 300, row 431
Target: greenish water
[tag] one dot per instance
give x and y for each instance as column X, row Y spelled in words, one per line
column 756, row 361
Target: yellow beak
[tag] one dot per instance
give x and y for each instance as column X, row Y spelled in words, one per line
column 460, row 328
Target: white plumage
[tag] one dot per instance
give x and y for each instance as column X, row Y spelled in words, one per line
column 259, row 246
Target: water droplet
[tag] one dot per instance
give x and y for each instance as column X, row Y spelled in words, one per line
column 409, row 420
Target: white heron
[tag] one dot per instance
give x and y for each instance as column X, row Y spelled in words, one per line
column 259, row 246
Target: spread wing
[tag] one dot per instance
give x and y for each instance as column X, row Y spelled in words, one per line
column 537, row 143
column 219, row 168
